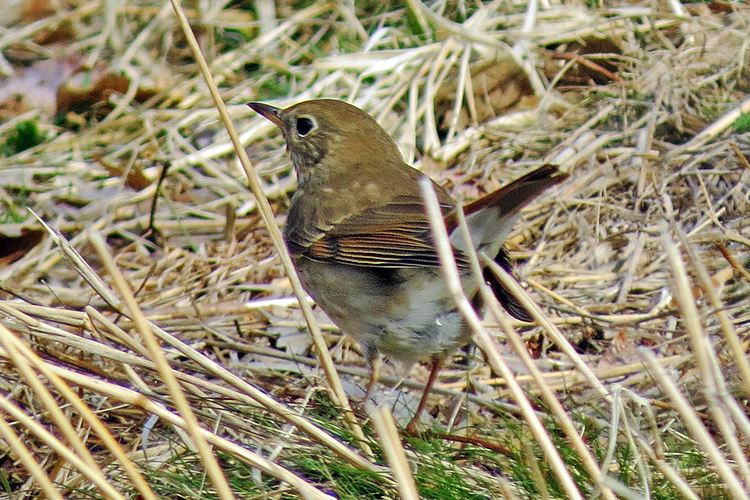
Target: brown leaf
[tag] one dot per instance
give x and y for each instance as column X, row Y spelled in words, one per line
column 62, row 33
column 594, row 62
column 13, row 247
column 499, row 86
column 36, row 87
column 89, row 90
column 34, row 10
column 79, row 95
column 135, row 179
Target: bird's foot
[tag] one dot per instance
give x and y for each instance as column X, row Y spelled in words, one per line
column 412, row 428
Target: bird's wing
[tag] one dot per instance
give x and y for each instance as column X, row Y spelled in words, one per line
column 393, row 235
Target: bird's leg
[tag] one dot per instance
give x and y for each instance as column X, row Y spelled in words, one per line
column 374, row 366
column 436, row 363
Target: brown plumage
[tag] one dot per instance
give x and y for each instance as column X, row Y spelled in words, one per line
column 362, row 244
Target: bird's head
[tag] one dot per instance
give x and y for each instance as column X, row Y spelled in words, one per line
column 330, row 134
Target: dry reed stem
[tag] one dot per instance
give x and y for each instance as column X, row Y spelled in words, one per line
column 485, row 342
column 92, row 472
column 15, row 348
column 697, row 429
column 554, row 333
column 703, row 352
column 390, row 440
column 563, row 418
column 134, row 398
column 268, row 217
column 710, row 132
column 27, row 459
column 164, row 369
column 268, row 402
column 729, row 332
column 89, row 346
column 705, row 355
column 581, row 255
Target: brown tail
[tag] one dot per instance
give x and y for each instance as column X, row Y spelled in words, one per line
column 491, row 218
column 514, row 196
column 506, row 299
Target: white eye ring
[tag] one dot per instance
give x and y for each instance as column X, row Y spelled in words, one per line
column 305, row 124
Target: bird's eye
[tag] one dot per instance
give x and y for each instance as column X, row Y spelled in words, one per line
column 304, row 125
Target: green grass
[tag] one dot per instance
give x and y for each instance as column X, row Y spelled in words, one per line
column 441, row 474
column 742, row 124
column 330, row 474
column 25, row 136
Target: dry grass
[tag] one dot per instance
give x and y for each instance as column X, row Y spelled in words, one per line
column 634, row 384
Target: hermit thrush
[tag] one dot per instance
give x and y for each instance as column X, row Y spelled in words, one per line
column 361, row 242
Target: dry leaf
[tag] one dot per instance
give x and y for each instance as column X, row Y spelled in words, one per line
column 13, row 247
column 499, row 87
column 36, row 87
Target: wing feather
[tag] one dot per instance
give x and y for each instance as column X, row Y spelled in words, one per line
column 394, row 235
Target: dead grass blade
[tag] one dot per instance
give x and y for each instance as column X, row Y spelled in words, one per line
column 268, row 218
column 453, row 282
column 645, row 106
column 382, row 419
column 24, row 359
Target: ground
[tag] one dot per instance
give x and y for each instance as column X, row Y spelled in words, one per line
column 639, row 261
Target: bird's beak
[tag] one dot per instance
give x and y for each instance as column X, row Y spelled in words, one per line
column 268, row 111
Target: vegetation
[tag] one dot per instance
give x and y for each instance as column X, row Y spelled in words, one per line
column 639, row 261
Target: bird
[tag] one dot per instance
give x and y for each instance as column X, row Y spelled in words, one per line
column 361, row 242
